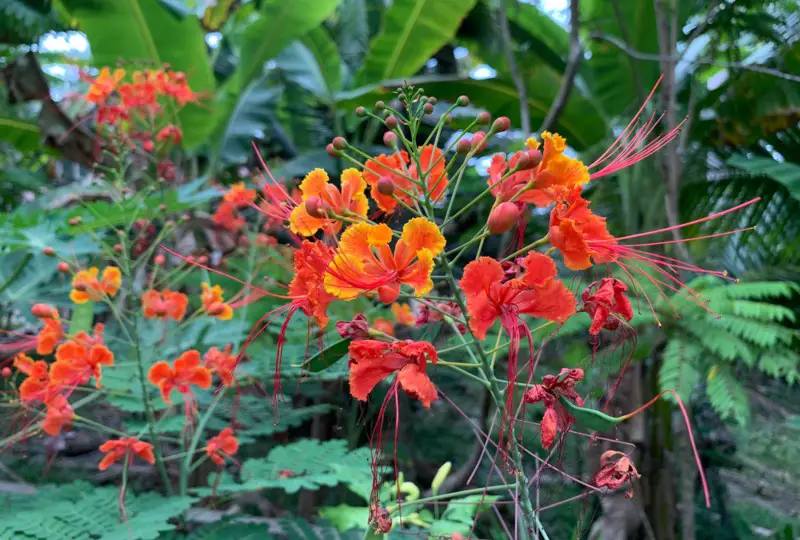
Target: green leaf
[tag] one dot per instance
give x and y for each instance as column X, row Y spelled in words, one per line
column 460, row 514
column 277, row 25
column 590, row 418
column 345, row 517
column 352, row 32
column 327, row 356
column 727, row 395
column 144, row 31
column 543, row 37
column 24, row 136
column 81, row 318
column 784, row 172
column 413, row 30
column 314, row 64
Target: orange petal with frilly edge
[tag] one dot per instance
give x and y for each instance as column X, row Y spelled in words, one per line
column 366, row 370
column 567, row 171
column 341, row 277
column 418, row 275
column 554, row 146
column 145, row 451
column 539, row 269
column 553, row 302
column 201, row 378
column 419, row 233
column 303, row 223
column 480, row 274
column 159, row 372
column 482, row 314
column 415, row 381
column 314, row 184
column 569, row 240
column 112, row 280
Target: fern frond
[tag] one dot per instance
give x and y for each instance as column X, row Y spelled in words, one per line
column 763, row 311
column 762, row 289
column 721, row 343
column 726, row 395
column 678, row 368
column 781, row 363
column 758, row 333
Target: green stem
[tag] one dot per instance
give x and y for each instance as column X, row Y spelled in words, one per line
column 185, row 466
column 444, row 496
column 539, row 242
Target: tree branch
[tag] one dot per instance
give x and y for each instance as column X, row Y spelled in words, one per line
column 638, row 55
column 575, row 55
column 519, row 83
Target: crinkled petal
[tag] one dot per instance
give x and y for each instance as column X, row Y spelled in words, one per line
column 415, row 381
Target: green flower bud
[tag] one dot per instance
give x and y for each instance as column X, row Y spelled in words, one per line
column 440, row 477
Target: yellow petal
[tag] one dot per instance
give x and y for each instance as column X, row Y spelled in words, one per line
column 314, row 184
column 419, row 233
column 302, row 223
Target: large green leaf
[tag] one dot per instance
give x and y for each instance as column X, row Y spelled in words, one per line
column 413, row 30
column 144, row 31
column 542, row 36
column 277, row 25
column 21, row 134
column 313, row 63
column 784, row 172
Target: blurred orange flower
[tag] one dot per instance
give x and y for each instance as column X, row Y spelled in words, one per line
column 403, row 315
column 86, row 285
column 222, row 363
column 116, row 450
column 164, row 304
column 214, row 304
column 316, row 185
column 183, row 374
column 79, row 359
column 221, row 446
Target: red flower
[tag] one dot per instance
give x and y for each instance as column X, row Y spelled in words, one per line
column 389, row 167
column 52, row 332
column 239, row 195
column 222, row 445
column 59, row 415
column 311, row 262
column 36, row 387
column 372, row 361
column 164, row 305
column 80, row 359
column 575, row 231
column 609, row 299
column 537, row 293
column 185, row 373
column 228, row 217
column 170, row 132
column 126, row 446
column 556, row 418
column 615, row 469
column 223, row 363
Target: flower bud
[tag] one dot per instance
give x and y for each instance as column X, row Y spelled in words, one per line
column 484, row 118
column 333, row 152
column 503, row 217
column 316, row 207
column 117, row 248
column 243, row 241
column 536, row 157
column 358, row 328
column 379, row 105
column 440, row 477
column 361, row 112
column 202, row 259
column 162, row 207
column 148, row 146
column 43, row 311
column 462, row 101
column 427, row 108
column 385, row 186
column 49, row 251
column 464, row 146
column 501, row 124
column 74, row 221
column 339, row 143
column 159, row 259
column 479, row 141
column 216, row 308
column 391, row 122
column 523, row 161
column 448, row 118
column 390, row 139
column 5, row 372
column 432, row 100
column 63, row 267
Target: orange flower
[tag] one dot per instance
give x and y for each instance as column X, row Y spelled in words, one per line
column 365, row 262
column 311, row 262
column 390, row 167
column 104, row 85
column 616, row 468
column 372, row 361
column 546, row 181
column 79, row 359
column 351, row 200
column 574, row 229
column 59, row 415
column 240, row 195
column 223, row 363
column 214, row 304
column 126, row 446
column 432, row 162
column 52, row 332
column 383, row 325
column 403, row 315
column 185, row 373
column 222, row 445
column 538, row 293
column 228, row 217
column 164, row 304
column 36, row 386
column 86, row 286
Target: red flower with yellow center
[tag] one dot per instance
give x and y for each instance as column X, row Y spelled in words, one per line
column 52, row 332
column 127, row 446
column 403, row 315
column 183, row 374
column 81, row 358
column 373, row 361
column 86, row 285
column 221, row 446
column 164, row 305
column 328, row 198
column 222, row 363
column 365, row 262
column 214, row 303
column 556, row 418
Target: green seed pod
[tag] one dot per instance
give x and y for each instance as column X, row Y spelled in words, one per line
column 440, row 477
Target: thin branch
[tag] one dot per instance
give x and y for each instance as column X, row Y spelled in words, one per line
column 519, row 83
column 575, row 55
column 638, row 55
